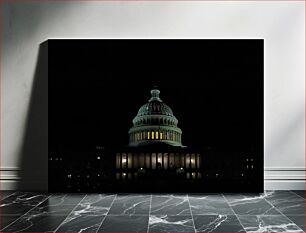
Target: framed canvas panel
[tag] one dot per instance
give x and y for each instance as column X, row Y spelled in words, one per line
column 156, row 115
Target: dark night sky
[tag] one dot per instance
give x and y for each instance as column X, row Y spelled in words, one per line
column 214, row 87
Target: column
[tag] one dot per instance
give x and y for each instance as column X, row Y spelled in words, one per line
column 120, row 161
column 151, row 166
column 162, row 160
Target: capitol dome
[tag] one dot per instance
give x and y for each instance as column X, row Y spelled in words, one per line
column 155, row 123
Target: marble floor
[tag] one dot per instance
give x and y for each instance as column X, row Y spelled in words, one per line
column 272, row 211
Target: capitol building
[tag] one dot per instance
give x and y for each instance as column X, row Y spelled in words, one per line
column 155, row 158
column 155, row 145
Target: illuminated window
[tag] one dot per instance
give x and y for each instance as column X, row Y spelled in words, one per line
column 192, row 161
column 148, row 135
column 161, row 135
column 187, row 162
column 152, row 135
column 156, row 134
column 124, row 160
column 98, row 157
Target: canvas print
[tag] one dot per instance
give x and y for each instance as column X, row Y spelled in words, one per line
column 155, row 115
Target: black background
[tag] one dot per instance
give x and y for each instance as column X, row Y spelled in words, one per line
column 214, row 87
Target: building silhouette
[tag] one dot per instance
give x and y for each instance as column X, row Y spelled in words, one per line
column 155, row 160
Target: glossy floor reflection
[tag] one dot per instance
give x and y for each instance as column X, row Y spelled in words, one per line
column 272, row 211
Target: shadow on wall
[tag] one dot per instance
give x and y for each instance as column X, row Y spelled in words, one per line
column 34, row 153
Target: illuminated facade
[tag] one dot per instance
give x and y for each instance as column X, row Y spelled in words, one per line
column 156, row 145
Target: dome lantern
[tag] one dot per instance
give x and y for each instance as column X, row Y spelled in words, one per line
column 155, row 95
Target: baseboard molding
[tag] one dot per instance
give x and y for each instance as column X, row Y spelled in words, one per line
column 10, row 180
column 276, row 178
column 284, row 178
column 284, row 185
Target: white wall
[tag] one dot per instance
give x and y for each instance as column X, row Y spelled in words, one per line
column 281, row 24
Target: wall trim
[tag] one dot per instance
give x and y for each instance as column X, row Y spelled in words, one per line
column 9, row 169
column 283, row 178
column 9, row 174
column 285, row 169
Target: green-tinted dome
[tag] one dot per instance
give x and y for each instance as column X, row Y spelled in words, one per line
column 155, row 122
column 155, row 107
